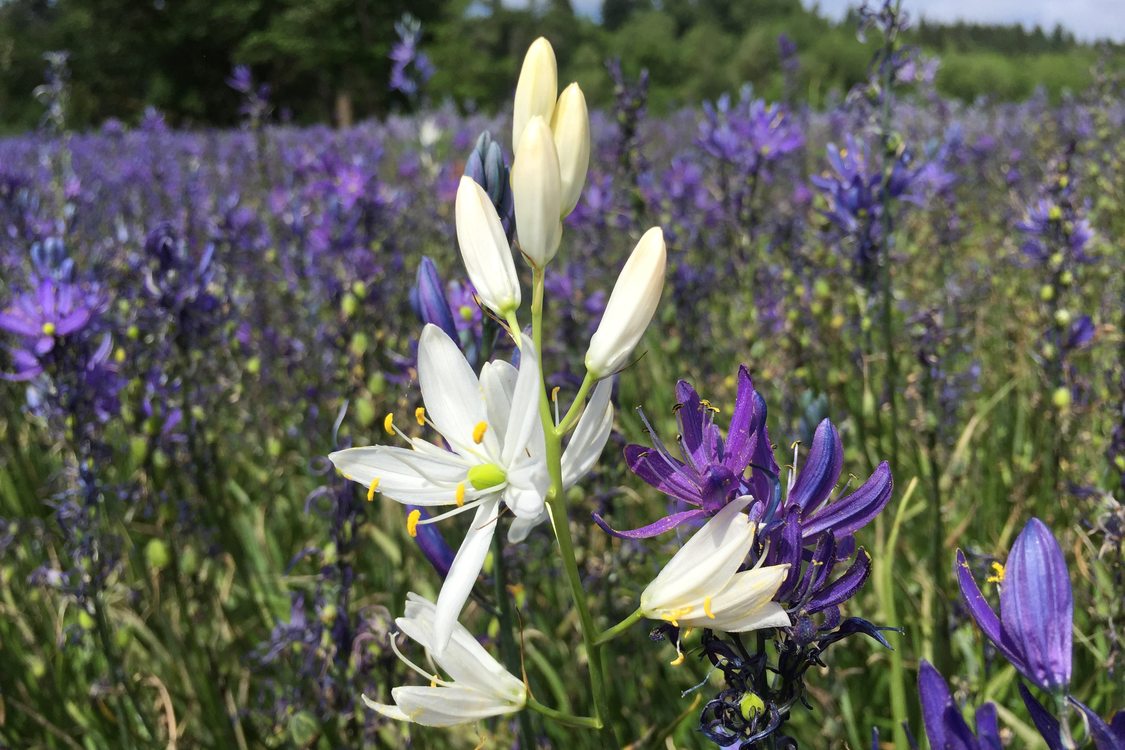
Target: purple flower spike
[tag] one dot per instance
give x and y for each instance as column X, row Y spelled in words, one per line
column 944, row 724
column 1033, row 630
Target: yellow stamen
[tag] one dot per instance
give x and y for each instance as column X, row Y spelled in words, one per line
column 707, row 608
column 412, row 522
column 478, row 432
column 555, row 392
column 372, row 489
column 678, row 660
column 389, row 423
column 460, row 496
column 997, row 574
column 49, row 329
column 434, row 681
column 420, row 415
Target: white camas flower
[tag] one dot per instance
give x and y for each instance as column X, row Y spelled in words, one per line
column 480, row 687
column 537, row 193
column 630, row 306
column 492, row 425
column 497, row 456
column 485, row 250
column 536, row 89
column 701, row 585
column 570, row 126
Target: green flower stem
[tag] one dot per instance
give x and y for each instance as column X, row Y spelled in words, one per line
column 562, row 717
column 556, row 501
column 575, row 410
column 608, row 635
column 509, row 651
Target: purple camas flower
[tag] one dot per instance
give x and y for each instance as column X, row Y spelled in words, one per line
column 427, row 297
column 749, row 134
column 54, row 311
column 1033, row 631
column 945, row 727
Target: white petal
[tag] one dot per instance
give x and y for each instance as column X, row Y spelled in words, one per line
column 570, row 125
column 741, row 604
column 498, row 382
column 464, row 659
column 485, row 249
column 521, row 527
column 770, row 615
column 463, row 572
column 408, row 476
column 528, row 482
column 447, row 706
column 386, row 709
column 590, row 435
column 521, row 435
column 705, row 563
column 536, row 88
column 453, row 397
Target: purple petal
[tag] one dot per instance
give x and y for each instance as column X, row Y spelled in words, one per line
column 849, row 514
column 844, row 587
column 785, row 547
column 667, row 523
column 821, row 471
column 689, row 412
column 14, row 322
column 943, row 722
column 988, row 730
column 745, row 422
column 662, row 472
column 979, row 608
column 1036, row 606
column 73, row 321
column 1106, row 736
column 1047, row 724
column 817, row 571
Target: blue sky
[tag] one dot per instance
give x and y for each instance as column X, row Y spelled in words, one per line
column 1087, row 19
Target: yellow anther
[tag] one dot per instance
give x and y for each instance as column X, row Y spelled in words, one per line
column 49, row 329
column 412, row 522
column 555, row 392
column 997, row 573
column 372, row 489
column 678, row 660
column 420, row 415
column 478, row 432
column 434, row 681
column 389, row 423
column 707, row 608
column 460, row 496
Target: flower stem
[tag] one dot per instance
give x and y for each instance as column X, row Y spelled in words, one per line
column 508, row 649
column 562, row 717
column 556, row 500
column 608, row 635
column 575, row 411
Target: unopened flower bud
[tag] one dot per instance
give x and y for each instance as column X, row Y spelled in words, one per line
column 571, row 127
column 488, row 169
column 536, row 189
column 537, row 88
column 427, row 297
column 630, row 306
column 485, row 249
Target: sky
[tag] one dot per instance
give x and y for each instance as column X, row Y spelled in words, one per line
column 1087, row 19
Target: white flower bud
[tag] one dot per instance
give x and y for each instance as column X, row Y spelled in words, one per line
column 630, row 307
column 571, row 127
column 485, row 249
column 536, row 193
column 537, row 88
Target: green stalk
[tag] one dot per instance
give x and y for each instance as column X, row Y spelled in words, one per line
column 508, row 651
column 556, row 501
column 608, row 635
column 884, row 581
column 562, row 717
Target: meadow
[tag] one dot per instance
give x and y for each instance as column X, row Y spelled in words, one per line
column 193, row 320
